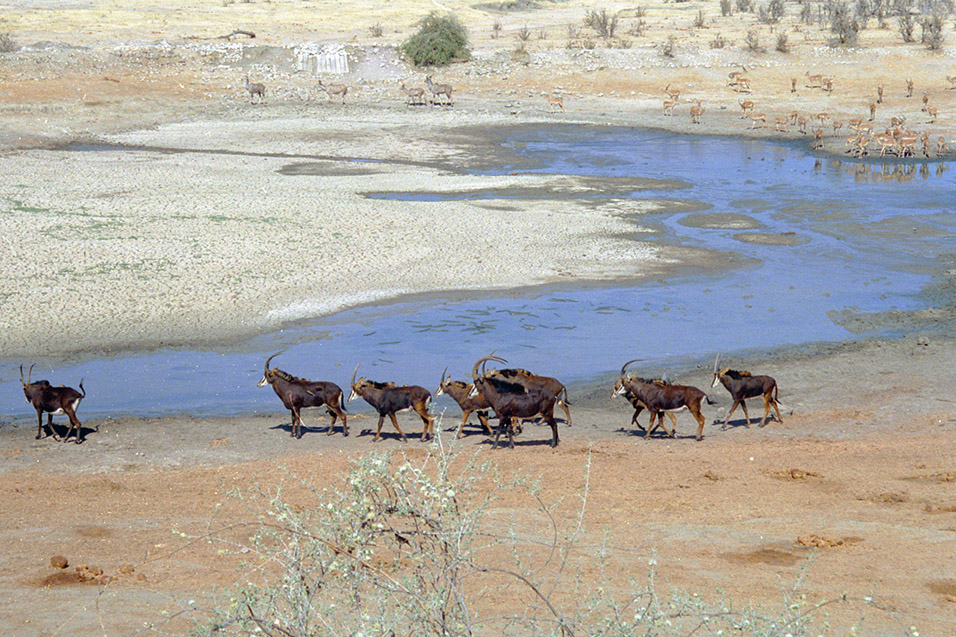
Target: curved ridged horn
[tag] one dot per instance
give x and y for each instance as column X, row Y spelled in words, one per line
column 30, row 371
column 474, row 370
column 354, row 371
column 624, row 367
column 716, row 362
column 442, row 381
column 269, row 360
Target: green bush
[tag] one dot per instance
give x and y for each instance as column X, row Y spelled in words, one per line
column 440, row 40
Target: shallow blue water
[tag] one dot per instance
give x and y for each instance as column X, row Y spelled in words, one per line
column 869, row 240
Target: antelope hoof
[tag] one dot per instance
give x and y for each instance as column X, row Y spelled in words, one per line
column 699, row 438
column 723, row 427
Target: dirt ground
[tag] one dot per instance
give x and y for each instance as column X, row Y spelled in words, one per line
column 852, row 495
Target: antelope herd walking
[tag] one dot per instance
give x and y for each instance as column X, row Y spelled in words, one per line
column 513, row 395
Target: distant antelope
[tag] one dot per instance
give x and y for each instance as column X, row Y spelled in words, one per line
column 818, row 138
column 940, row 146
column 802, row 124
column 823, row 118
column 872, row 111
column 814, row 81
column 909, row 87
column 695, row 112
column 334, row 89
column 413, row 96
column 933, row 113
column 907, row 146
column 747, row 106
column 828, row 85
column 896, row 122
column 793, row 85
column 837, row 125
column 742, row 85
column 555, row 102
column 924, row 143
column 759, row 117
column 879, row 94
column 886, row 142
column 952, row 82
column 925, row 102
column 780, row 124
column 673, row 93
column 669, row 107
column 793, row 117
column 254, row 89
column 439, row 89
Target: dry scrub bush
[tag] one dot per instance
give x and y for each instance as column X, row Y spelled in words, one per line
column 752, row 42
column 440, row 40
column 8, row 44
column 603, row 22
column 407, row 547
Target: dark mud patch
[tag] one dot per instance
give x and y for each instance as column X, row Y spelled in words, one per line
column 93, row 531
column 766, row 555
column 61, row 578
column 946, row 587
column 787, row 239
column 326, row 169
column 720, row 221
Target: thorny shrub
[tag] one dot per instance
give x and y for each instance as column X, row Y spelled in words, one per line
column 440, row 40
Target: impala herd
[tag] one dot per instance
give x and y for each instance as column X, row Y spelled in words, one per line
column 896, row 138
column 512, row 395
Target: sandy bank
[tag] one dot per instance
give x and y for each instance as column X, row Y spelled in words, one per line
column 218, row 229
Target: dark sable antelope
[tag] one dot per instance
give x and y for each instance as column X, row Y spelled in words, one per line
column 298, row 393
column 51, row 400
column 459, row 391
column 660, row 399
column 526, row 379
column 511, row 400
column 388, row 399
column 744, row 385
column 638, row 405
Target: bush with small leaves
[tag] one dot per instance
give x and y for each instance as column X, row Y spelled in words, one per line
column 495, row 30
column 745, row 6
column 440, row 40
column 640, row 11
column 638, row 28
column 718, row 42
column 783, row 45
column 843, row 25
column 603, row 22
column 726, row 8
column 906, row 27
column 523, row 34
column 669, row 49
column 376, row 30
column 8, row 44
column 752, row 41
column 700, row 20
column 933, row 32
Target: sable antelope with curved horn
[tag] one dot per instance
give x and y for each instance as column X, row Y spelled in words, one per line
column 528, row 379
column 664, row 398
column 512, row 400
column 636, row 402
column 389, row 398
column 459, row 390
column 298, row 393
column 744, row 385
column 51, row 400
